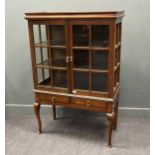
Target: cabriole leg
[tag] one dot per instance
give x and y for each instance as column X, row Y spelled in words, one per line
column 110, row 126
column 37, row 113
column 54, row 111
column 116, row 116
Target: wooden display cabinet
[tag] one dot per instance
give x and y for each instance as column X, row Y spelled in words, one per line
column 76, row 61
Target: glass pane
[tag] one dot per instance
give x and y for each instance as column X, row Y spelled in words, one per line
column 117, row 56
column 43, row 33
column 81, row 59
column 39, row 33
column 119, row 39
column 100, row 82
column 81, row 80
column 118, row 33
column 45, row 53
column 100, row 35
column 36, row 34
column 80, row 35
column 44, row 78
column 57, row 35
column 116, row 77
column 41, row 55
column 59, row 57
column 100, row 59
column 60, row 78
column 37, row 55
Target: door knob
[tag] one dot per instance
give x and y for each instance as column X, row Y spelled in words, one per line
column 67, row 59
column 71, row 59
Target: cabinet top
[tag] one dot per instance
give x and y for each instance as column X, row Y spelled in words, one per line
column 63, row 15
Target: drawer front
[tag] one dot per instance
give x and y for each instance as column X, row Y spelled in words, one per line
column 90, row 104
column 47, row 98
column 85, row 104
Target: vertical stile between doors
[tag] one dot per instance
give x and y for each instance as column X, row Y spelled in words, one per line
column 68, row 42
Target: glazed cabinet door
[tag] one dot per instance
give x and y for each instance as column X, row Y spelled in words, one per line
column 90, row 44
column 50, row 50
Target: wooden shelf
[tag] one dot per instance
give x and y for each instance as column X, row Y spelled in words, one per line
column 45, row 64
column 81, row 47
column 45, row 82
column 92, row 70
column 90, row 48
column 100, row 48
column 80, row 70
column 51, row 44
column 99, row 71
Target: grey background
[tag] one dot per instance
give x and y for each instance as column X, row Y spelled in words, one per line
column 135, row 47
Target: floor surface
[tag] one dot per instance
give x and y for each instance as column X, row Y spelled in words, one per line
column 76, row 133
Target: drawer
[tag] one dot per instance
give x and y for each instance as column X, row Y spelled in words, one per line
column 92, row 104
column 48, row 98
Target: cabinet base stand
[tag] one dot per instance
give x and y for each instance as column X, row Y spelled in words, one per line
column 112, row 121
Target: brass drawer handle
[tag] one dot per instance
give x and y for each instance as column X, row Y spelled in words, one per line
column 74, row 91
column 88, row 105
column 53, row 99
